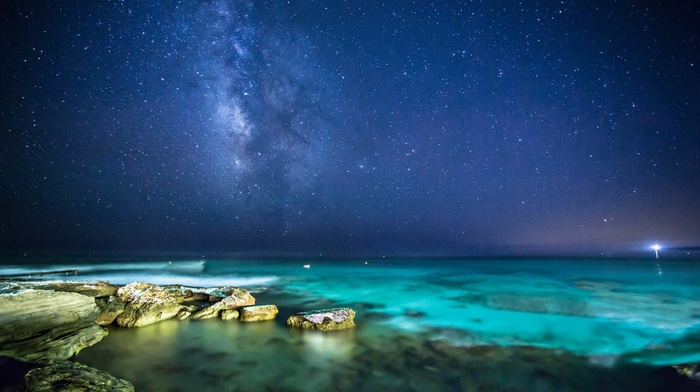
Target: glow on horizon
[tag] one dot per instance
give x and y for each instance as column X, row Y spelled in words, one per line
column 656, row 248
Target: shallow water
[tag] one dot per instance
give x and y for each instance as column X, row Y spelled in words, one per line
column 422, row 325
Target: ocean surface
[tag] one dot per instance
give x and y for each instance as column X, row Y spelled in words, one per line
column 424, row 324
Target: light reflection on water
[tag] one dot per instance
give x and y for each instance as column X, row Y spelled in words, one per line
column 190, row 355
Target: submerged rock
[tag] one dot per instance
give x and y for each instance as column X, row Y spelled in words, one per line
column 258, row 313
column 43, row 324
column 691, row 371
column 111, row 307
column 146, row 304
column 72, row 376
column 323, row 320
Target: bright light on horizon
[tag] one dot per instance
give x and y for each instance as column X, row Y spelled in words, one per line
column 656, row 248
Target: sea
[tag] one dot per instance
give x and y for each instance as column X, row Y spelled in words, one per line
column 493, row 324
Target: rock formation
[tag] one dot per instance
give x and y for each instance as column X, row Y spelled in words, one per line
column 229, row 314
column 146, row 304
column 43, row 324
column 323, row 320
column 235, row 298
column 258, row 313
column 89, row 288
column 110, row 308
column 73, row 376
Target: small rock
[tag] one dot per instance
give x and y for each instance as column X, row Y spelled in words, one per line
column 72, row 376
column 258, row 313
column 229, row 314
column 688, row 370
column 323, row 320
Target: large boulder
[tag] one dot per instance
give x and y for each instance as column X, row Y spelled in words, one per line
column 323, row 320
column 146, row 304
column 67, row 376
column 236, row 298
column 43, row 324
column 258, row 313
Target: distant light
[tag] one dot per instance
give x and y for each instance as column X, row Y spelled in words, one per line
column 656, row 247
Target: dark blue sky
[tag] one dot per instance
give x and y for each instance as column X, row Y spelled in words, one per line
column 391, row 127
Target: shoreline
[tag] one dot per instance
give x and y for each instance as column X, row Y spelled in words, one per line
column 389, row 349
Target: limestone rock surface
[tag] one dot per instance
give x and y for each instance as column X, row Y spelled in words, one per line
column 258, row 313
column 68, row 376
column 323, row 320
column 110, row 308
column 235, row 299
column 43, row 324
column 88, row 288
column 146, row 304
column 59, row 343
column 229, row 314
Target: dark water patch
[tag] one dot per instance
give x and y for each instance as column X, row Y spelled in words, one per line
column 12, row 373
column 413, row 313
column 169, row 367
column 594, row 284
column 452, row 283
column 194, row 351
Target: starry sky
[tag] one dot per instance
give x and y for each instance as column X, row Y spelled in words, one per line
column 349, row 127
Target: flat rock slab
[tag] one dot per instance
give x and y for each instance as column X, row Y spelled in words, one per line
column 72, row 376
column 89, row 288
column 44, row 324
column 323, row 320
column 258, row 313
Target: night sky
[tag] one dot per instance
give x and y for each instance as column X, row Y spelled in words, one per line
column 349, row 127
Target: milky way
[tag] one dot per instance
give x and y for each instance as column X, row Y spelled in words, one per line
column 350, row 127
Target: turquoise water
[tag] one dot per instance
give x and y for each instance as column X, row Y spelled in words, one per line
column 594, row 315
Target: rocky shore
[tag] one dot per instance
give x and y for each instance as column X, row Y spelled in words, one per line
column 44, row 324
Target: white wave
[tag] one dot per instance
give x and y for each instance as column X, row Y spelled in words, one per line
column 158, row 266
column 185, row 280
